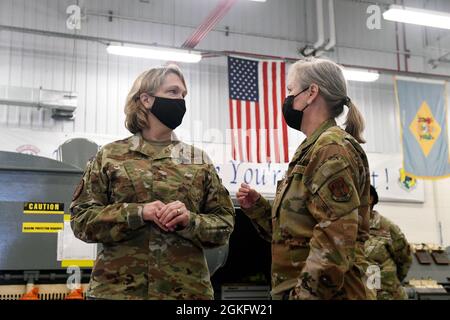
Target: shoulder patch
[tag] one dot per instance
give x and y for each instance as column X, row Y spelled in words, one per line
column 340, row 190
column 78, row 190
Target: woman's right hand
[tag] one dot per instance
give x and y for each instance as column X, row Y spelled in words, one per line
column 150, row 213
column 246, row 196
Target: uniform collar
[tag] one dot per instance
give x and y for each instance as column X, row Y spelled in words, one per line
column 313, row 137
column 138, row 144
column 317, row 133
column 179, row 151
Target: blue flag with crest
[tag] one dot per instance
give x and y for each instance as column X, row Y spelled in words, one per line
column 423, row 119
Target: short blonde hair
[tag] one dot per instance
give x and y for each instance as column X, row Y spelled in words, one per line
column 329, row 77
column 147, row 82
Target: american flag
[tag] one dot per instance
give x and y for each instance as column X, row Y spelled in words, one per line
column 257, row 89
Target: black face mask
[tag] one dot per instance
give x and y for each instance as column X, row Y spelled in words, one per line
column 169, row 111
column 293, row 117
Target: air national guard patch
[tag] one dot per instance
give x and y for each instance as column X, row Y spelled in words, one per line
column 340, row 190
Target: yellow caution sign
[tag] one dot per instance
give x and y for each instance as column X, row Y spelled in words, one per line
column 43, row 208
column 42, row 227
column 78, row 263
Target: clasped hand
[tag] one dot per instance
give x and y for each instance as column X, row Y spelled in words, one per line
column 169, row 217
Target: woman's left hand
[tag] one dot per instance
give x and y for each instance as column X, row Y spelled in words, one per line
column 174, row 214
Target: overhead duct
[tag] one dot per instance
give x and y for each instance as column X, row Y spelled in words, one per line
column 319, row 47
column 307, row 50
column 61, row 103
column 332, row 25
column 212, row 53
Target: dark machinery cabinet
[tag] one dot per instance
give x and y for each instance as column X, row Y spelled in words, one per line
column 26, row 178
column 246, row 273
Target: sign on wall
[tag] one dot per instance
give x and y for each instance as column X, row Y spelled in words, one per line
column 386, row 173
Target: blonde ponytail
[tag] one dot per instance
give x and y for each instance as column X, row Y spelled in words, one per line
column 354, row 124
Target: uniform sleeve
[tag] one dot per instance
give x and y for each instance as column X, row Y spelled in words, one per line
column 334, row 203
column 400, row 251
column 212, row 227
column 260, row 216
column 93, row 218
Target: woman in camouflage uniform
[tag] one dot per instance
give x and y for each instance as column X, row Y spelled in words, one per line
column 152, row 201
column 388, row 249
column 319, row 220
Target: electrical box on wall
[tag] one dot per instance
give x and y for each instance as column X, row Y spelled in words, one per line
column 62, row 103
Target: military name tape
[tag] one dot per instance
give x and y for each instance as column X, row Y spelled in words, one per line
column 43, row 208
column 42, row 227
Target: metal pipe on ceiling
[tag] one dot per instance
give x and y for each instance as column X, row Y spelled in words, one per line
column 379, row 69
column 217, row 29
column 332, row 42
column 332, row 27
column 306, row 51
column 212, row 53
column 105, row 40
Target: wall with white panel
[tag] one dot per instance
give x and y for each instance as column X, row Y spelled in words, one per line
column 277, row 28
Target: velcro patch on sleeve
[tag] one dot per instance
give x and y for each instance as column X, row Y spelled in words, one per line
column 340, row 190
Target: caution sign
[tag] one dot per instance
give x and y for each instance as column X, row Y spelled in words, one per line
column 43, row 208
column 42, row 227
column 78, row 263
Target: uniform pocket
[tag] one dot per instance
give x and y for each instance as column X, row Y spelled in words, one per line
column 298, row 251
column 193, row 190
column 121, row 271
column 281, row 188
column 120, row 188
column 289, row 185
column 141, row 178
column 179, row 182
column 294, row 218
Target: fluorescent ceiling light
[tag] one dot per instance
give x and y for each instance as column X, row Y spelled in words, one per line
column 418, row 16
column 360, row 75
column 259, row 0
column 156, row 53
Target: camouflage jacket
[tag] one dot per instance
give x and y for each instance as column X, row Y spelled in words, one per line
column 139, row 260
column 319, row 220
column 388, row 248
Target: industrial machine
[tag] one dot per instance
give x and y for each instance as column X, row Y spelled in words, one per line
column 35, row 195
column 429, row 275
column 35, row 235
column 76, row 151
